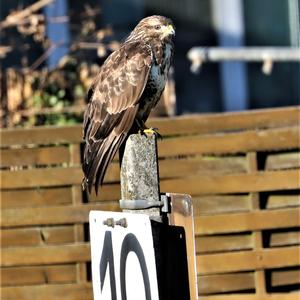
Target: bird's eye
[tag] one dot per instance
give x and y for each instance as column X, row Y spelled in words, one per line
column 157, row 27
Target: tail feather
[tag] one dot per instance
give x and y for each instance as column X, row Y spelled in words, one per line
column 98, row 153
column 106, row 160
column 99, row 160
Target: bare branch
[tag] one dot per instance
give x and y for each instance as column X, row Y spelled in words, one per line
column 4, row 50
column 43, row 57
column 14, row 18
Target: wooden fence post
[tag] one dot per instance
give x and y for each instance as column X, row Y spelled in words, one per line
column 77, row 199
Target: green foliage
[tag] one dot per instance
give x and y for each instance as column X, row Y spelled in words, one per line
column 57, row 90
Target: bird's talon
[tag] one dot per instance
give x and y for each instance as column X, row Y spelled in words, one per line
column 142, row 132
column 159, row 136
column 151, row 131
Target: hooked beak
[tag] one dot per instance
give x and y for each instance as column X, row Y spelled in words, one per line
column 168, row 30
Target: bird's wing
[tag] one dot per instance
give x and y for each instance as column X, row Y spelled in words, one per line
column 113, row 105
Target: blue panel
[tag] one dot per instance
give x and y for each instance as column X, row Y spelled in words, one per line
column 57, row 32
column 229, row 23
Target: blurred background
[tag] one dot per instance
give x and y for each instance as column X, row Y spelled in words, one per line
column 241, row 169
column 51, row 50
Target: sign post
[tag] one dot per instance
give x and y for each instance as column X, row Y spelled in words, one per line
column 148, row 250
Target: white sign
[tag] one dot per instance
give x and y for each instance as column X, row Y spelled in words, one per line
column 123, row 262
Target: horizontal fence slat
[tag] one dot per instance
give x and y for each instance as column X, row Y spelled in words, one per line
column 184, row 167
column 83, row 291
column 267, row 219
column 43, row 196
column 35, row 197
column 254, row 220
column 222, row 283
column 206, row 264
column 275, row 296
column 17, row 237
column 205, row 244
column 26, row 214
column 248, row 260
column 41, row 135
column 226, row 122
column 107, row 192
column 34, row 156
column 217, row 204
column 37, row 236
column 172, row 168
column 282, row 161
column 232, row 282
column 240, row 142
column 193, row 124
column 75, row 291
column 285, row 277
column 168, row 169
column 234, row 183
column 285, row 238
column 45, row 255
column 15, row 276
column 278, row 201
column 41, row 177
column 51, row 215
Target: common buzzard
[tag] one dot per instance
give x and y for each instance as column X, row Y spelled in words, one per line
column 128, row 86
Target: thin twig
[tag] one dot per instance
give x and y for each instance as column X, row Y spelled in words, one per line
column 43, row 57
column 86, row 45
column 4, row 50
column 14, row 18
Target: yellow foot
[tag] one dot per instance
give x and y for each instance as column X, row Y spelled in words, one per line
column 151, row 131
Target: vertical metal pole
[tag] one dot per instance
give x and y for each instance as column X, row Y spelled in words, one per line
column 294, row 21
column 229, row 24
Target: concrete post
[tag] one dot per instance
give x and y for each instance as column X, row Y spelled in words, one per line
column 139, row 172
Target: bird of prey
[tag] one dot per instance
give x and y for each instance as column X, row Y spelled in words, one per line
column 129, row 84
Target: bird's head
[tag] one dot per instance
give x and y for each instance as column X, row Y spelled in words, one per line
column 154, row 27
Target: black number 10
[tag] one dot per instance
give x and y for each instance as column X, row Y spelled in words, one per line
column 130, row 243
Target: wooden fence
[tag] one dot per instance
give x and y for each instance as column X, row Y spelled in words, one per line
column 242, row 170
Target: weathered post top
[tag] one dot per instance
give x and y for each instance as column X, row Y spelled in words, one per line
column 140, row 175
